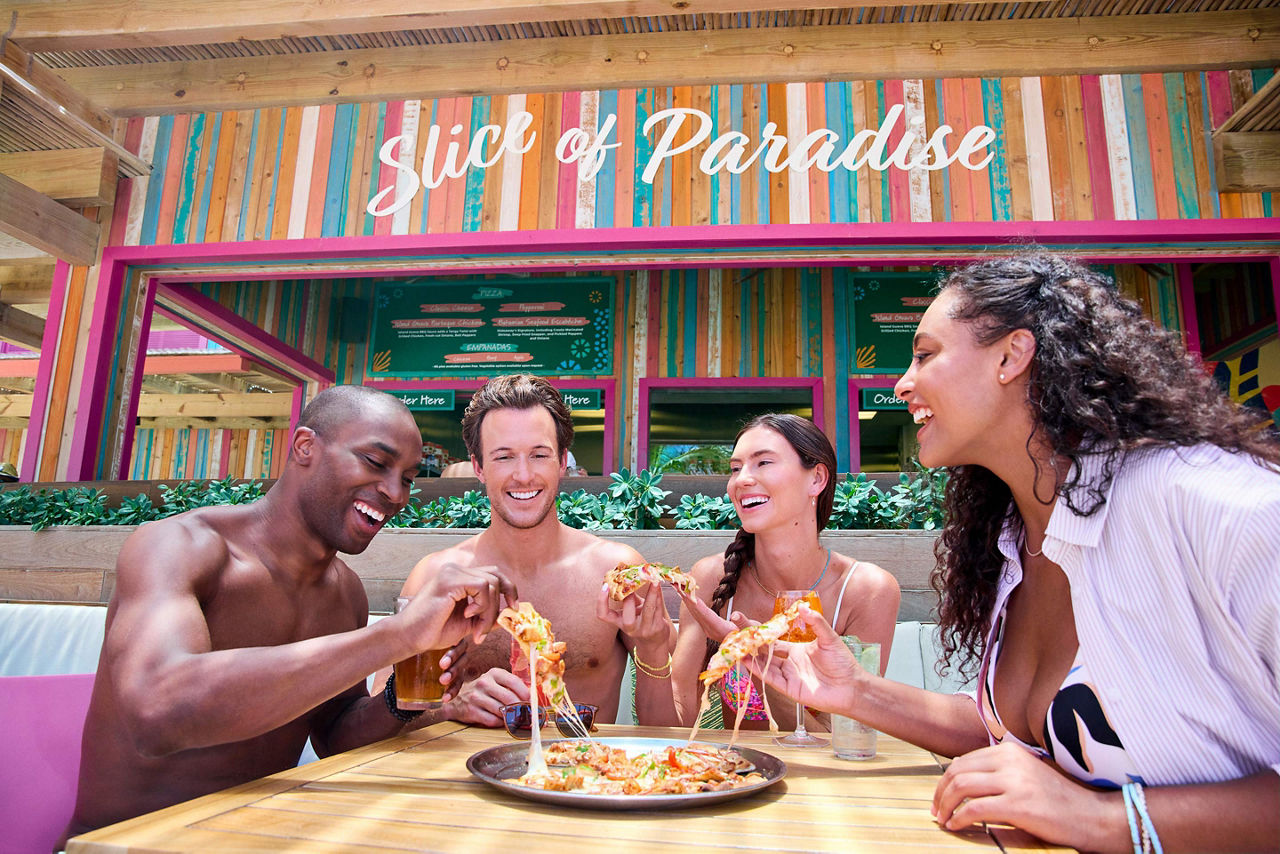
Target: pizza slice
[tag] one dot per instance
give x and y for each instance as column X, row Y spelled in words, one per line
column 532, row 632
column 737, row 645
column 623, row 579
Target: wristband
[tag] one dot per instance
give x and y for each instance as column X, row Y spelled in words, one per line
column 389, row 694
column 654, row 672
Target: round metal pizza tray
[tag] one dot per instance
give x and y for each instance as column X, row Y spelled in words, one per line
column 499, row 766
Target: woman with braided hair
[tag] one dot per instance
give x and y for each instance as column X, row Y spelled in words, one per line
column 782, row 484
column 1109, row 568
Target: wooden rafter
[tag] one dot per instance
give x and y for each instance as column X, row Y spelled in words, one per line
column 39, row 221
column 1103, row 45
column 125, row 24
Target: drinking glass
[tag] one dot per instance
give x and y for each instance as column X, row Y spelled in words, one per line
column 852, row 739
column 418, row 676
column 799, row 634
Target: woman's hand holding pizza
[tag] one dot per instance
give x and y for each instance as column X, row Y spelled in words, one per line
column 824, row 671
column 642, row 616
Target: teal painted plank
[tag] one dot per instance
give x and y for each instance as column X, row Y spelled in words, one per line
column 339, row 178
column 1184, row 168
column 605, row 179
column 643, row 212
column 716, row 131
column 155, row 182
column 275, row 175
column 368, row 221
column 1206, row 122
column 735, row 181
column 673, row 288
column 187, row 185
column 473, row 200
column 838, row 179
column 886, row 206
column 202, row 220
column 998, row 169
column 1144, row 189
column 690, row 323
column 423, row 188
column 744, row 322
column 942, row 175
column 764, row 178
column 667, row 177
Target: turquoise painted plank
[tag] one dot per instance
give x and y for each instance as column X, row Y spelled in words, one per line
column 186, row 189
column 275, row 174
column 473, row 200
column 763, row 177
column 1261, row 77
column 1184, row 168
column 716, row 177
column 337, row 181
column 248, row 171
column 642, row 214
column 605, row 179
column 155, row 183
column 666, row 178
column 1144, row 189
column 886, row 205
column 379, row 137
column 844, row 344
column 998, row 169
column 735, row 181
column 202, row 454
column 851, row 175
column 425, row 190
column 202, row 219
column 942, row 175
column 837, row 179
column 1206, row 122
column 690, row 323
column 673, row 287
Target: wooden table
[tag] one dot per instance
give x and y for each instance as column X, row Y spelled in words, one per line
column 413, row 792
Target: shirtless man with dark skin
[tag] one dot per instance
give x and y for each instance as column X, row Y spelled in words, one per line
column 518, row 431
column 236, row 632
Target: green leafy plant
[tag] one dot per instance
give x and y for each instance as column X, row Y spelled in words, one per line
column 133, row 510
column 702, row 512
column 640, row 497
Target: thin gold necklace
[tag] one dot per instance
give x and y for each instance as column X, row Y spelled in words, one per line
column 755, row 575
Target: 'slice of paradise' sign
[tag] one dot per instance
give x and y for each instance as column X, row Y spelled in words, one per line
column 732, row 151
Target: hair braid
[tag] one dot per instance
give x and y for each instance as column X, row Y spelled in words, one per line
column 736, row 557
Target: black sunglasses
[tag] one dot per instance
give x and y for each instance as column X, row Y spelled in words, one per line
column 518, row 719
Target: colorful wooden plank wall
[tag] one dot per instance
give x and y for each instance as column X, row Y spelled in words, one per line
column 160, row 454
column 1067, row 148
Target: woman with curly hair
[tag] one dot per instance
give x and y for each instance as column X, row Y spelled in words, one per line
column 781, row 482
column 1109, row 567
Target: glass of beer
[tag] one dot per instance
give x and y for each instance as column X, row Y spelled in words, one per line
column 799, row 633
column 418, row 676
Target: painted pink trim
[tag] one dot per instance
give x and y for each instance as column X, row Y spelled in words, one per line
column 299, row 402
column 44, row 370
column 814, row 384
column 899, row 180
column 243, row 337
column 99, row 354
column 138, row 359
column 567, row 173
column 606, row 386
column 1187, row 300
column 1274, row 264
column 1221, row 105
column 1095, row 138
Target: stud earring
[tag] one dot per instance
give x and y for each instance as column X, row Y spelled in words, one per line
column 1002, row 378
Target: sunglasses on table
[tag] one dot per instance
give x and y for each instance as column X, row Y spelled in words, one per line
column 518, row 719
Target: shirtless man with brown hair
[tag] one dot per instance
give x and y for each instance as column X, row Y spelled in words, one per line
column 518, row 430
column 235, row 633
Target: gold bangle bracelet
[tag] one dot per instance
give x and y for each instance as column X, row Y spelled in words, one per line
column 655, row 672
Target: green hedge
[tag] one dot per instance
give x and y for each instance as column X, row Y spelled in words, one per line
column 632, row 501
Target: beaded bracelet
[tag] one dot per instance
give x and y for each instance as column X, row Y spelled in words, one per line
column 389, row 694
column 654, row 672
column 1130, row 812
column 1150, row 839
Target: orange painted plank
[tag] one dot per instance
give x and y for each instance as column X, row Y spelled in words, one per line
column 1199, row 156
column 954, row 110
column 221, row 176
column 1158, row 135
column 700, row 194
column 274, row 125
column 661, row 101
column 819, row 188
column 172, row 179
column 314, row 225
column 261, row 175
column 549, row 184
column 779, row 182
column 704, row 310
column 531, row 164
column 937, row 200
column 438, row 203
column 748, row 194
column 363, row 157
column 681, row 164
column 979, row 181
column 1055, row 131
column 491, row 199
column 624, row 184
column 1078, row 148
column 1015, row 140
column 457, row 187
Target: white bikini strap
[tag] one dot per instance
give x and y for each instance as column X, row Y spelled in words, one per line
column 840, row 599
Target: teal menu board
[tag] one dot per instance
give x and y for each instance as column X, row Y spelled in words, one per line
column 560, row 326
column 884, row 311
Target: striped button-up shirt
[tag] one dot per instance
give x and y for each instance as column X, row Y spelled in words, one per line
column 1175, row 585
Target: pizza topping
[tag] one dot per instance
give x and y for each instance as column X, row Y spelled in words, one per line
column 624, row 579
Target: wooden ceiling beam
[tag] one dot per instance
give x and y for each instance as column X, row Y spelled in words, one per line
column 1103, row 45
column 26, row 284
column 78, row 177
column 185, row 406
column 39, row 221
column 1247, row 162
column 103, row 24
column 21, row 327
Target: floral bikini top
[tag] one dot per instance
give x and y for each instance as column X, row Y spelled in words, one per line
column 737, row 685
